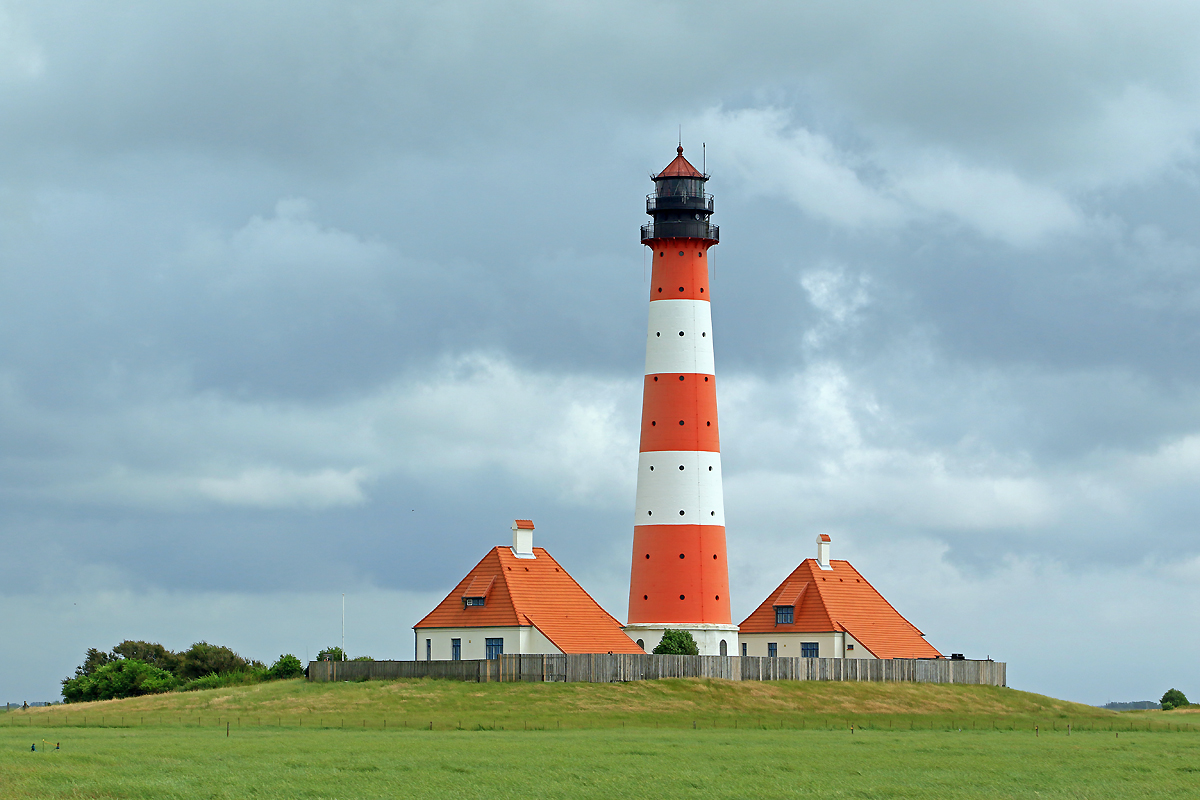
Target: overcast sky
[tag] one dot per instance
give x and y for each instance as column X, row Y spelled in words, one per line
column 305, row 298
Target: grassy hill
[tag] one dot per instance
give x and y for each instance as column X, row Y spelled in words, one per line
column 641, row 704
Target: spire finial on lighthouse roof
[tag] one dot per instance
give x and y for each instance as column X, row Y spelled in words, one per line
column 679, row 149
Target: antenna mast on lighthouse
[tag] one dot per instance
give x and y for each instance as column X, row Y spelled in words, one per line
column 680, row 574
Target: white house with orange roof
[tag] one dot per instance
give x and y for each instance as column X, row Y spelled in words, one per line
column 518, row 600
column 826, row 609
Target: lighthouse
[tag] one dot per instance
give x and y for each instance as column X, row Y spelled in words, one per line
column 680, row 574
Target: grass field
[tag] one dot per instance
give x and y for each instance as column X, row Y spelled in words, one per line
column 779, row 739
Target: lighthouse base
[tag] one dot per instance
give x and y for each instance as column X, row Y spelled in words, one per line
column 709, row 638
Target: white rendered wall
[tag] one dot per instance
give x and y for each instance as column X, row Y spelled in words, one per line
column 832, row 644
column 517, row 639
column 667, row 350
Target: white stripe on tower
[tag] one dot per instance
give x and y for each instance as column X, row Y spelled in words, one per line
column 674, row 481
column 679, row 338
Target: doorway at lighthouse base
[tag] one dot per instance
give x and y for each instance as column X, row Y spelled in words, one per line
column 712, row 640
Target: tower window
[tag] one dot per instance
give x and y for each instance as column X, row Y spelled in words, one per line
column 681, row 554
column 681, row 333
column 680, row 252
column 680, row 422
column 681, row 514
column 680, row 597
column 647, row 555
column 681, row 288
column 681, row 467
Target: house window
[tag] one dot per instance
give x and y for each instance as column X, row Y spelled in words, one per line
column 429, row 649
column 472, row 601
column 810, row 649
column 743, row 648
column 456, row 649
column 724, row 648
column 783, row 615
column 641, row 643
column 495, row 647
column 772, row 650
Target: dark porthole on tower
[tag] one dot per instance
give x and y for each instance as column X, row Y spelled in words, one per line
column 653, row 423
column 647, row 555
column 714, row 556
column 681, row 555
column 680, row 377
column 681, row 288
column 709, row 469
column 652, row 468
column 645, row 597
column 660, row 290
column 656, row 379
column 681, row 514
column 681, row 467
column 681, row 333
column 680, row 252
column 701, row 290
column 680, row 597
column 657, row 334
column 706, row 379
column 680, row 422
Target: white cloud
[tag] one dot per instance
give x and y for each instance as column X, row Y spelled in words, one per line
column 883, row 187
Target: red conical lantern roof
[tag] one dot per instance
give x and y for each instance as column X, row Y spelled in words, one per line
column 680, row 168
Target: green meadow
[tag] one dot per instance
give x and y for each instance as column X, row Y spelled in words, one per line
column 648, row 739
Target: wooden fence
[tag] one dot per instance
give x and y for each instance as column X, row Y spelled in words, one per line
column 616, row 668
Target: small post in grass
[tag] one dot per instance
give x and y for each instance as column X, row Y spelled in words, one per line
column 226, row 729
column 1036, row 734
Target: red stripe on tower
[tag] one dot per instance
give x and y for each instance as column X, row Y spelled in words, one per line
column 680, row 574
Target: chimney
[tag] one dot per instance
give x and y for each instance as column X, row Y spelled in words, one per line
column 823, row 541
column 523, row 538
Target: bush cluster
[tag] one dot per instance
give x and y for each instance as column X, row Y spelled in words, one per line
column 677, row 643
column 136, row 668
column 1173, row 699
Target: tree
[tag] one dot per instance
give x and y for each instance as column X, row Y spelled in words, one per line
column 203, row 658
column 677, row 643
column 122, row 677
column 93, row 660
column 152, row 653
column 288, row 666
column 1173, row 699
column 331, row 654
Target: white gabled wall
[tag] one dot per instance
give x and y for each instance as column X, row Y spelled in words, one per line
column 832, row 644
column 517, row 639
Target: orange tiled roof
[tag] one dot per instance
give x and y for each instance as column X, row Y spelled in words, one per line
column 680, row 168
column 532, row 591
column 840, row 599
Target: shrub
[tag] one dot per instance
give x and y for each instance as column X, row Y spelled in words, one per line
column 152, row 653
column 1173, row 699
column 362, row 658
column 203, row 658
column 677, row 643
column 288, row 666
column 124, row 677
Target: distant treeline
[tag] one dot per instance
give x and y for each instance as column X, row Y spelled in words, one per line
column 136, row 668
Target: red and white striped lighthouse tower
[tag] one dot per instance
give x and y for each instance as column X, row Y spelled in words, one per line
column 680, row 575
